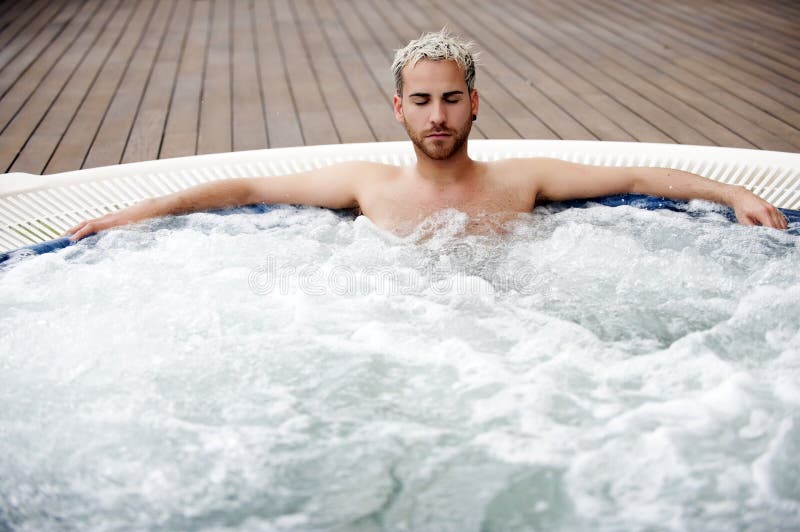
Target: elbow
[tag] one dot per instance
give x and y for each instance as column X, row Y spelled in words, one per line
column 635, row 182
column 244, row 192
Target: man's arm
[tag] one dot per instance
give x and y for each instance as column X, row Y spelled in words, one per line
column 334, row 187
column 558, row 180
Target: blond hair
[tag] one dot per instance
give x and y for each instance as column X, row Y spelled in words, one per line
column 436, row 46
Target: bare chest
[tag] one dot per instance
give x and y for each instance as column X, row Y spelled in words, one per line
column 401, row 207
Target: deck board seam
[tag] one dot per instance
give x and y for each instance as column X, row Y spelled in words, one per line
column 96, row 76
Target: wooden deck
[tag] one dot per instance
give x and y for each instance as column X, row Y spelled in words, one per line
column 99, row 82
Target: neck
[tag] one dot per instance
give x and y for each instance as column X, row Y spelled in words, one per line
column 445, row 172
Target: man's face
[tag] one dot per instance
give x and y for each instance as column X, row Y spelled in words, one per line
column 436, row 107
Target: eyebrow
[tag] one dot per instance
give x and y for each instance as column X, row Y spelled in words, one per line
column 427, row 95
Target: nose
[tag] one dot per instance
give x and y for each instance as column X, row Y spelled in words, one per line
column 438, row 116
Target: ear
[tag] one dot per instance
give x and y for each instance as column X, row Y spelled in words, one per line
column 397, row 103
column 473, row 97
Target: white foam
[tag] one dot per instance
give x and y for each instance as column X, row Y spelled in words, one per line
column 616, row 368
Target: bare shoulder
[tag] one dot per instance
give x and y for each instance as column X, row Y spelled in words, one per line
column 366, row 175
column 521, row 173
column 539, row 178
column 535, row 172
column 363, row 169
column 334, row 186
column 524, row 167
column 354, row 175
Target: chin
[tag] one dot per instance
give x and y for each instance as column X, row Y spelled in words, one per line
column 446, row 150
column 439, row 149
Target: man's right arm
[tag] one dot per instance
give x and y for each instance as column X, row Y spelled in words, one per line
column 334, row 187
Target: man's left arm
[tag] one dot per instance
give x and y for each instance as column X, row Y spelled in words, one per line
column 558, row 180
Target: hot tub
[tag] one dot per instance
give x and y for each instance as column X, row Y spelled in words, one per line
column 283, row 368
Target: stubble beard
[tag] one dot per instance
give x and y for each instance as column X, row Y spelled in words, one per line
column 436, row 149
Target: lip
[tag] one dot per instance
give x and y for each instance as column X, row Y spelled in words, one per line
column 438, row 135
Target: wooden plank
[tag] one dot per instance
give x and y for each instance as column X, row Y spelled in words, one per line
column 737, row 114
column 283, row 73
column 282, row 119
column 315, row 119
column 532, row 62
column 638, row 115
column 375, row 57
column 7, row 6
column 56, row 124
column 746, row 36
column 9, row 10
column 144, row 142
column 49, row 69
column 180, row 133
column 36, row 90
column 16, row 17
column 724, row 109
column 771, row 114
column 634, row 92
column 733, row 44
column 17, row 55
column 720, row 61
column 556, row 105
column 112, row 136
column 214, row 130
column 348, row 118
column 683, row 101
column 373, row 101
column 82, row 132
column 605, row 117
column 249, row 122
column 72, row 74
column 771, row 35
column 783, row 8
column 630, row 70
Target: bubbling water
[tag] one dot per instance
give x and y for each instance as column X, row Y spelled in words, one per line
column 590, row 369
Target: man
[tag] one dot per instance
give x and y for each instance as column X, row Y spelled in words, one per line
column 436, row 102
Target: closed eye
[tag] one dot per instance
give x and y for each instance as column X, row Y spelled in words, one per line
column 425, row 102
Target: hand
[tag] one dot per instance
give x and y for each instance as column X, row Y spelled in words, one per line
column 89, row 227
column 752, row 210
column 132, row 214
